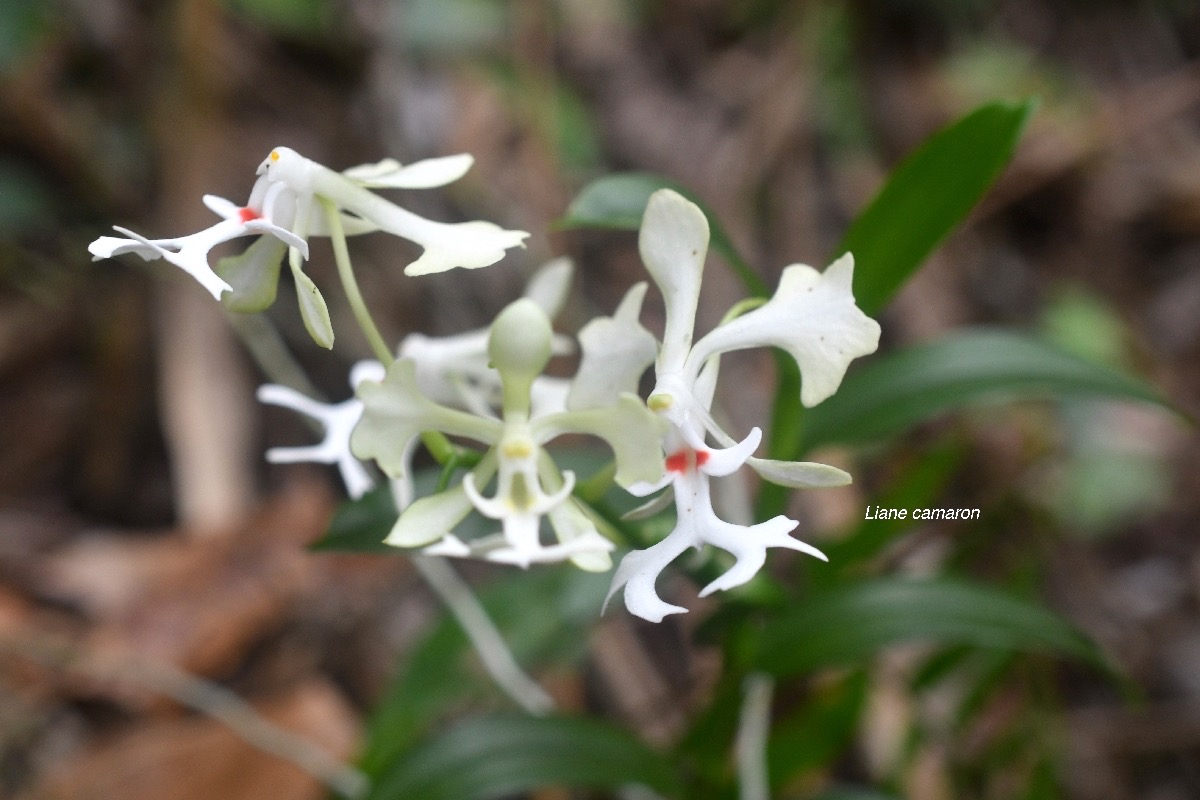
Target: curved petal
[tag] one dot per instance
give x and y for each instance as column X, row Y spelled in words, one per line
column 651, row 506
column 570, row 522
column 616, row 351
column 396, row 411
column 749, row 546
column 469, row 245
column 638, row 572
column 813, row 317
column 800, row 474
column 189, row 253
column 430, row 518
column 253, row 275
column 728, row 460
column 673, row 243
column 550, row 285
column 426, row 174
column 632, row 431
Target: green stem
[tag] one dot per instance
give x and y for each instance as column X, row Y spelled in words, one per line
column 350, row 284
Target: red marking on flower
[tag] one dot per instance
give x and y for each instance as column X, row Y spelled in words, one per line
column 248, row 214
column 686, row 459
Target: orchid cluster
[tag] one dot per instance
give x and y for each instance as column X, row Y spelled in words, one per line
column 487, row 388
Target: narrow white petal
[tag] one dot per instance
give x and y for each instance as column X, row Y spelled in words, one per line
column 800, row 474
column 226, row 209
column 651, row 506
column 430, row 518
column 450, row 546
column 551, row 284
column 354, row 474
column 427, row 174
column 189, row 253
column 571, row 523
column 673, row 243
column 728, row 460
column 315, row 454
column 749, row 546
column 470, row 245
column 338, row 420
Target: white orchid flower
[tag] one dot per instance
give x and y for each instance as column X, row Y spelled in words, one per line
column 812, row 316
column 528, row 485
column 338, row 420
column 455, row 371
column 283, row 204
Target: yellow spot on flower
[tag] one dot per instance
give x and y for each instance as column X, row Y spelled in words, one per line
column 660, row 402
column 517, row 448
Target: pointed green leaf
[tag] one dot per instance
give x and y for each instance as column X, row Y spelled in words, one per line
column 851, row 624
column 927, row 196
column 506, row 754
column 891, row 393
column 440, row 674
column 618, row 202
column 313, row 310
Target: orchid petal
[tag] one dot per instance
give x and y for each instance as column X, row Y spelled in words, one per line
column 646, row 488
column 726, row 461
column 800, row 474
column 550, row 285
column 638, row 572
column 253, row 275
column 469, row 245
column 430, row 518
column 572, row 525
column 651, row 506
column 673, row 243
column 450, row 546
column 337, row 420
column 616, row 351
column 749, row 545
column 548, row 396
column 396, row 411
column 426, row 174
column 813, row 317
column 189, row 253
column 588, row 546
column 632, row 431
column 226, row 209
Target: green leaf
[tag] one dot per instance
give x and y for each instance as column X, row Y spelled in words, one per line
column 819, row 731
column 851, row 624
column 618, row 202
column 927, row 196
column 304, row 18
column 853, row 793
column 892, row 393
column 313, row 309
column 440, row 673
column 918, row 483
column 507, row 754
column 361, row 525
column 23, row 24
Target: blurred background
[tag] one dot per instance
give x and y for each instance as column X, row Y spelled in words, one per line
column 143, row 539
